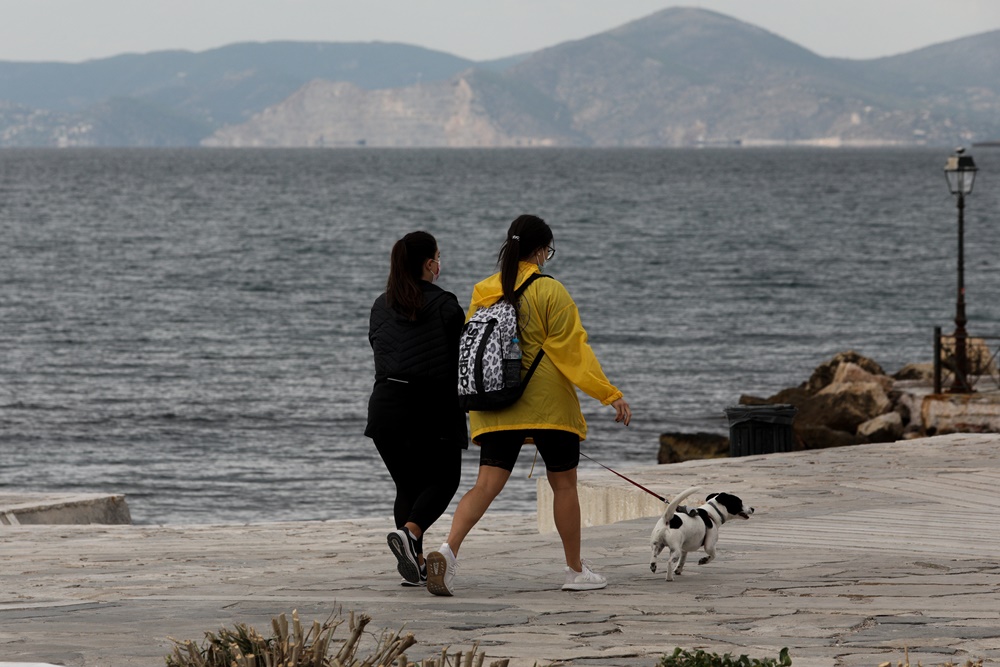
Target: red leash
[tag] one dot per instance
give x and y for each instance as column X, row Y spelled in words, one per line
column 625, row 478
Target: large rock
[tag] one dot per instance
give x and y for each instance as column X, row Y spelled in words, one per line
column 850, row 400
column 826, row 372
column 918, row 372
column 821, row 437
column 977, row 351
column 903, row 404
column 796, row 396
column 677, row 447
column 884, row 428
column 842, row 394
column 853, row 373
column 843, row 406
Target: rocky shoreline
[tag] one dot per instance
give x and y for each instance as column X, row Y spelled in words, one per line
column 848, row 400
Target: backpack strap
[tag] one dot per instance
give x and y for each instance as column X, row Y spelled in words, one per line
column 541, row 352
column 531, row 368
column 527, row 281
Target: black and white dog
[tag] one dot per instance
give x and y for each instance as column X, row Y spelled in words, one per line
column 692, row 529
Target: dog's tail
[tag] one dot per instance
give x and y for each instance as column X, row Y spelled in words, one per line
column 675, row 503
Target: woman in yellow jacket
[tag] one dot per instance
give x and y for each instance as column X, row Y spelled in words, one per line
column 548, row 413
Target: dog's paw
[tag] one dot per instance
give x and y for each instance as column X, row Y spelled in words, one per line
column 704, row 560
column 678, row 572
column 652, row 567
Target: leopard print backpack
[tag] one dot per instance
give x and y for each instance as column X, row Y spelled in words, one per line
column 485, row 355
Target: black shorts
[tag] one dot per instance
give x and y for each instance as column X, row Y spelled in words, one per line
column 560, row 450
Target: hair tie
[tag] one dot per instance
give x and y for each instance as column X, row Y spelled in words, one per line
column 516, row 237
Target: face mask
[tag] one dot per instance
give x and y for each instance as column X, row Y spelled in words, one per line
column 543, row 262
column 437, row 274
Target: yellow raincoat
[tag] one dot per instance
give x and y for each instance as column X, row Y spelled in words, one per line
column 550, row 321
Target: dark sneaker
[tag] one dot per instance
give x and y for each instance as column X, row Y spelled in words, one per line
column 423, row 579
column 402, row 547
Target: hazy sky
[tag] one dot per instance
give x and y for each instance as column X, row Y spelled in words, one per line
column 75, row 30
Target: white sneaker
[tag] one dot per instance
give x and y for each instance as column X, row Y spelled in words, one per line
column 588, row 580
column 441, row 568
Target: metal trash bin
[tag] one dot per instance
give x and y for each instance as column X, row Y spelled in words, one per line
column 760, row 429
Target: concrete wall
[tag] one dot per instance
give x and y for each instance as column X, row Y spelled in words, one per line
column 34, row 509
column 961, row 413
column 600, row 503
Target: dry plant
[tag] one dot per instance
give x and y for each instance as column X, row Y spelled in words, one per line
column 294, row 646
column 906, row 663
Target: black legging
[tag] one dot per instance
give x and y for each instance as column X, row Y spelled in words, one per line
column 426, row 476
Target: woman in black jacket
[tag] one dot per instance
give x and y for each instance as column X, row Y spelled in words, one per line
column 413, row 413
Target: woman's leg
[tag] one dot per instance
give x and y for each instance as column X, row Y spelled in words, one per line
column 404, row 542
column 394, row 455
column 566, row 513
column 475, row 502
column 497, row 455
column 425, row 483
column 423, row 491
column 561, row 452
column 436, row 478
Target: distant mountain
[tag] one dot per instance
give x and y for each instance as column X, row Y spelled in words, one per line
column 199, row 91
column 682, row 77
column 956, row 83
column 475, row 108
column 962, row 64
column 679, row 77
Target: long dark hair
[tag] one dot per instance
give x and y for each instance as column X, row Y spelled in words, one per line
column 406, row 269
column 525, row 236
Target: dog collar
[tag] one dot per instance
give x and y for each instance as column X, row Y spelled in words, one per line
column 722, row 517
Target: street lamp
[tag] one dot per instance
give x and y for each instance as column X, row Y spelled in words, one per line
column 960, row 170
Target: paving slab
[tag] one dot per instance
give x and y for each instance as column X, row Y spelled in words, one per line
column 854, row 555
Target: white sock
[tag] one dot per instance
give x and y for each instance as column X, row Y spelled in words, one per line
column 445, row 549
column 412, row 536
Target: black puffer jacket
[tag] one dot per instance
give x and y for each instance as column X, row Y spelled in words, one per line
column 416, row 370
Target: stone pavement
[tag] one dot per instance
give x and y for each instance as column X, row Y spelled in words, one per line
column 854, row 555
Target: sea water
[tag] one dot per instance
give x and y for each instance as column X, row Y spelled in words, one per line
column 189, row 327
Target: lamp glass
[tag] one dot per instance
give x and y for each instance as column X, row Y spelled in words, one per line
column 961, row 174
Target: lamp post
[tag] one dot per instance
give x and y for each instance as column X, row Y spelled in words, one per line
column 960, row 171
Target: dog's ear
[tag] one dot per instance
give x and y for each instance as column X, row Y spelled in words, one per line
column 710, row 496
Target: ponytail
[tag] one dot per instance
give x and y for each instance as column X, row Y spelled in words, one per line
column 406, row 266
column 525, row 236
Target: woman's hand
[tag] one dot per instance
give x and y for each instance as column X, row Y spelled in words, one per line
column 622, row 411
